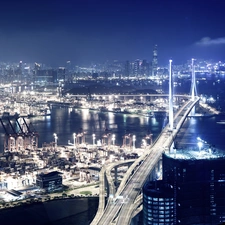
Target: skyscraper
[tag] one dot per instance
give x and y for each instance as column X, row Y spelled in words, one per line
column 137, row 68
column 192, row 190
column 145, row 68
column 158, row 203
column 127, row 69
column 155, row 61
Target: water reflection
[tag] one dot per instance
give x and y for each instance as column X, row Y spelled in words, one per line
column 65, row 122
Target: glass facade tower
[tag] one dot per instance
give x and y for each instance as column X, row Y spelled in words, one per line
column 192, row 190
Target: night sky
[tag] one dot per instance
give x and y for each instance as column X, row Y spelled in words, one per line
column 92, row 31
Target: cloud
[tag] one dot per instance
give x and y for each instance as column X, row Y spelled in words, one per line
column 207, row 41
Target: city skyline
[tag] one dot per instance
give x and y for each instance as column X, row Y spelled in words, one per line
column 94, row 31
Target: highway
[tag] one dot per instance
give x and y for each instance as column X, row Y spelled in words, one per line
column 106, row 173
column 121, row 210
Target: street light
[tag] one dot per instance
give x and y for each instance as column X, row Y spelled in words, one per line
column 200, row 144
column 199, row 139
column 144, row 143
column 113, row 139
column 134, row 139
column 93, row 136
column 74, row 139
column 56, row 138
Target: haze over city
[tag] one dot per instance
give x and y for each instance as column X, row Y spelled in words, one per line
column 93, row 31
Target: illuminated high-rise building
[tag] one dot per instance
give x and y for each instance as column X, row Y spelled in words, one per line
column 61, row 74
column 192, row 190
column 137, row 67
column 37, row 67
column 145, row 68
column 127, row 69
column 155, row 61
column 19, row 71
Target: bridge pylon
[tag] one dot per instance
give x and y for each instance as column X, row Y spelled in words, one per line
column 193, row 84
column 193, row 81
column 170, row 96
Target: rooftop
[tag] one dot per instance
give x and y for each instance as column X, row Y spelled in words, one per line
column 194, row 154
column 50, row 174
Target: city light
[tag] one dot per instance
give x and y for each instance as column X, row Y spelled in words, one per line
column 144, row 143
column 56, row 138
column 133, row 140
column 200, row 144
column 74, row 139
column 93, row 137
column 113, row 139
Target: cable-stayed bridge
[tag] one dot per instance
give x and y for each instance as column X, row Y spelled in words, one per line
column 120, row 212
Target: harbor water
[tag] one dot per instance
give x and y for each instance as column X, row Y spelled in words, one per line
column 78, row 211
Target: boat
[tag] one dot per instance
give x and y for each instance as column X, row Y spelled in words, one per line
column 44, row 112
column 116, row 110
column 126, row 111
column 149, row 114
